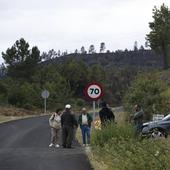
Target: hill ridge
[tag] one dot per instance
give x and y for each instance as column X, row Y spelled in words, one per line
column 139, row 58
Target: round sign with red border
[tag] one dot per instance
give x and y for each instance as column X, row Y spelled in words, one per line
column 93, row 91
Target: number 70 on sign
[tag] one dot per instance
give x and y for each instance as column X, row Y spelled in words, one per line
column 94, row 91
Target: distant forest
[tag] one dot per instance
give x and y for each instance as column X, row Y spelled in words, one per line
column 138, row 58
column 65, row 76
column 27, row 72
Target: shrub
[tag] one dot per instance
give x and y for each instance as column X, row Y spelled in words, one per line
column 103, row 136
column 150, row 92
column 80, row 102
column 116, row 147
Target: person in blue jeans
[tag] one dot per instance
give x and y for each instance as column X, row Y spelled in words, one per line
column 85, row 121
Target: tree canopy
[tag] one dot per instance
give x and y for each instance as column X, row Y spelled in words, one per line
column 149, row 91
column 64, row 77
column 20, row 60
column 159, row 37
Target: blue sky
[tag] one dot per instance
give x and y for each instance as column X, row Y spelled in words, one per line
column 70, row 24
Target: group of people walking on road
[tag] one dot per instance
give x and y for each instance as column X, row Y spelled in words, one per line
column 64, row 125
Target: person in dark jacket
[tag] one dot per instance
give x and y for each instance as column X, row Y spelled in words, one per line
column 106, row 115
column 68, row 122
column 85, row 121
column 138, row 119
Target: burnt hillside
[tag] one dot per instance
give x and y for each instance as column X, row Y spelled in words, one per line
column 120, row 59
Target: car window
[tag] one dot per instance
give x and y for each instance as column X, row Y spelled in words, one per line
column 167, row 118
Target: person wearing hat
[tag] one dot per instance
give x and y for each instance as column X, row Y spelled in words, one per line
column 85, row 121
column 106, row 115
column 68, row 122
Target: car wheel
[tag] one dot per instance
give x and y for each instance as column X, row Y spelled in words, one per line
column 158, row 134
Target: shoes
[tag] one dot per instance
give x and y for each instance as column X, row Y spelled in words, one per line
column 57, row 145
column 51, row 145
column 86, row 145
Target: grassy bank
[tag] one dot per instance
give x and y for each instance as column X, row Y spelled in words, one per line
column 13, row 113
column 5, row 118
column 115, row 147
column 10, row 118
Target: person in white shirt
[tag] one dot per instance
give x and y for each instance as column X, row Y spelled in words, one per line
column 55, row 124
column 85, row 121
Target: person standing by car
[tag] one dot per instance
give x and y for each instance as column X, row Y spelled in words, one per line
column 138, row 119
column 55, row 123
column 85, row 121
column 68, row 122
column 106, row 115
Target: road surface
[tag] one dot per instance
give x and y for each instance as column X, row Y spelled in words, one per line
column 24, row 146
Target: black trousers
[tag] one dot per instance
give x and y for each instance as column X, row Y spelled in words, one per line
column 67, row 136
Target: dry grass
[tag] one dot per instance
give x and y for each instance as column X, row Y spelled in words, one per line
column 12, row 111
column 10, row 118
column 5, row 118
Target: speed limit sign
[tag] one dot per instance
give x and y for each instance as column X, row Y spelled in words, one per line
column 93, row 91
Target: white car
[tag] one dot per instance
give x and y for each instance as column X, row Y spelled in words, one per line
column 155, row 129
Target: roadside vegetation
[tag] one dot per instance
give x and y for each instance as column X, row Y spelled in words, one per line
column 13, row 113
column 115, row 147
column 10, row 118
column 151, row 91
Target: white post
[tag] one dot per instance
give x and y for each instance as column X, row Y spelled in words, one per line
column 45, row 105
column 98, row 103
column 94, row 111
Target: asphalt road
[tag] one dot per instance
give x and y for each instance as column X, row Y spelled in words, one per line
column 24, row 146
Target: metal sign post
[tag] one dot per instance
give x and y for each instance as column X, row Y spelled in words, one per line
column 45, row 94
column 45, row 105
column 93, row 91
column 94, row 110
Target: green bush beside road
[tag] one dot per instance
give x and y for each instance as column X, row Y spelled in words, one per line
column 115, row 147
column 149, row 91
